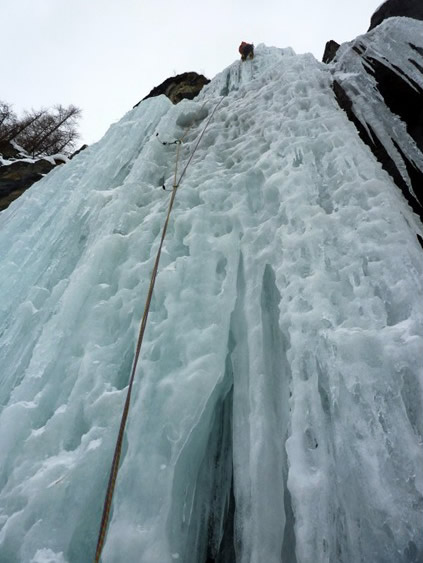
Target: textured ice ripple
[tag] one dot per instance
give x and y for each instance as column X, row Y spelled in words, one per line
column 277, row 410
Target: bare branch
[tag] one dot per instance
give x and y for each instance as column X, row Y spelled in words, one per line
column 41, row 131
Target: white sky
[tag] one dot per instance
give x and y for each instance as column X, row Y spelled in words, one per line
column 106, row 55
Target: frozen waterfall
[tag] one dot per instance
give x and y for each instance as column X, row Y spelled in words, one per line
column 277, row 411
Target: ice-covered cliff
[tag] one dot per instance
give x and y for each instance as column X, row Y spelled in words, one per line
column 277, row 410
column 378, row 81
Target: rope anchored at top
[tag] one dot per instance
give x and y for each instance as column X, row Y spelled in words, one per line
column 118, row 447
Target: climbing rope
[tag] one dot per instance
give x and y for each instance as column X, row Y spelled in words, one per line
column 118, row 447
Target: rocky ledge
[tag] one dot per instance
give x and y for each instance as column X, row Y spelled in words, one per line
column 187, row 85
column 18, row 171
column 401, row 93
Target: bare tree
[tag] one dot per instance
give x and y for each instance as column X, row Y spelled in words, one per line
column 41, row 131
column 8, row 120
column 6, row 113
column 19, row 127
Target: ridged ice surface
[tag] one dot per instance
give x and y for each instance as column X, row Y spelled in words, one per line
column 277, row 411
column 396, row 44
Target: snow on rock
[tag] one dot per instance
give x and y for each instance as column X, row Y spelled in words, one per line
column 379, row 82
column 18, row 171
column 277, row 410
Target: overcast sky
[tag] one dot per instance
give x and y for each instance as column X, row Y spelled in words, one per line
column 105, row 55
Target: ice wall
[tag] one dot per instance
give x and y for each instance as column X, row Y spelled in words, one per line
column 392, row 53
column 277, row 411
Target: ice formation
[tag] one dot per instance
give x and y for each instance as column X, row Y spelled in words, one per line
column 397, row 44
column 277, row 413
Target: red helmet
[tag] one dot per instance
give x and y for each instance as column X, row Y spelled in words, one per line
column 242, row 47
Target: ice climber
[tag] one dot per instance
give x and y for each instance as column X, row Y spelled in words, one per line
column 246, row 50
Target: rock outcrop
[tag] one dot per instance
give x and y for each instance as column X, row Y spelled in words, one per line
column 78, row 151
column 18, row 172
column 394, row 8
column 401, row 93
column 9, row 150
column 330, row 51
column 187, row 85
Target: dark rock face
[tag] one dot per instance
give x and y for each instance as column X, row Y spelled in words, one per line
column 405, row 100
column 82, row 148
column 394, row 8
column 330, row 51
column 402, row 95
column 187, row 85
column 7, row 150
column 381, row 80
column 18, row 176
column 369, row 137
